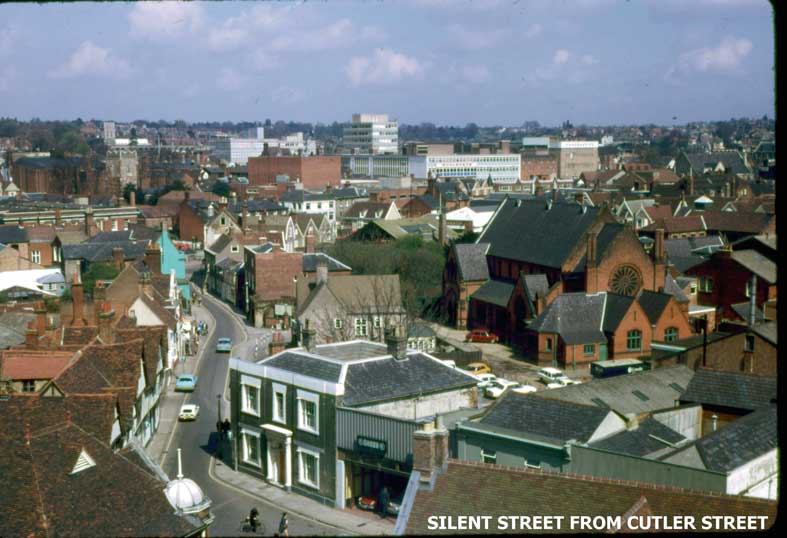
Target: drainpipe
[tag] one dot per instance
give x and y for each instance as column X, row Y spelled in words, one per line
column 704, row 338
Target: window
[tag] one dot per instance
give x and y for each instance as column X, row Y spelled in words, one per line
column 234, row 248
column 590, row 350
column 251, row 447
column 706, row 284
column 488, row 456
column 35, row 256
column 308, row 404
column 337, row 323
column 377, row 321
column 634, row 340
column 533, row 464
column 549, row 344
column 251, row 400
column 693, row 289
column 308, row 464
column 749, row 343
column 223, row 221
column 670, row 334
column 28, row 385
column 361, row 327
column 279, row 401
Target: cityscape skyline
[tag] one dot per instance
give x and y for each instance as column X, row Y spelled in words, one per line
column 490, row 62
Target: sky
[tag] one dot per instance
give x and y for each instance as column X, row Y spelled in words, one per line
column 449, row 62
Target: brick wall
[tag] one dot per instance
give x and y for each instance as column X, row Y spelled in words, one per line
column 314, row 171
column 729, row 355
column 544, row 167
column 190, row 224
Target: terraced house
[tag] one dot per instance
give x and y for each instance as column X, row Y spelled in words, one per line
column 335, row 421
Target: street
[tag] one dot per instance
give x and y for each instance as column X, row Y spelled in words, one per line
column 197, row 440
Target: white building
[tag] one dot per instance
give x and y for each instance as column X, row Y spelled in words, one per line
column 372, row 133
column 109, row 132
column 236, row 150
column 500, row 167
column 295, row 143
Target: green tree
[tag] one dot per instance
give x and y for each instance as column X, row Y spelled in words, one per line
column 221, row 189
column 98, row 271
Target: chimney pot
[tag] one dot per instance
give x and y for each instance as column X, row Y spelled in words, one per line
column 308, row 335
column 397, row 343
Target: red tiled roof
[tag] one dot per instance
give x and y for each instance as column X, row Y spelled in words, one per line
column 659, row 211
column 689, row 223
column 23, row 364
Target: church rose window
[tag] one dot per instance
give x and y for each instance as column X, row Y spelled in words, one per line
column 625, row 281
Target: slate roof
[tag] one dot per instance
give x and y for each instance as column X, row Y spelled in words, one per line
column 556, row 420
column 11, row 233
column 100, row 252
column 604, row 239
column 767, row 330
column 359, row 349
column 730, row 389
column 256, row 205
column 496, row 292
column 743, row 311
column 471, row 261
column 501, row 491
column 300, row 363
column 648, row 438
column 367, row 210
column 220, row 244
column 103, row 237
column 535, row 285
column 310, row 260
column 653, row 303
column 304, row 196
column 576, row 317
column 525, row 230
column 736, row 221
column 731, row 160
column 662, row 386
column 757, row 264
column 388, row 379
column 672, row 287
column 741, row 441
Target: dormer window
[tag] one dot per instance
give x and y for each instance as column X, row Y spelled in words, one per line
column 84, row 461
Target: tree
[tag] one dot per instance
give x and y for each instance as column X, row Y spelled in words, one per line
column 98, row 271
column 221, row 189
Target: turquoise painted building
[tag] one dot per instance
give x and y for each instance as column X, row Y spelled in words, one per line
column 172, row 258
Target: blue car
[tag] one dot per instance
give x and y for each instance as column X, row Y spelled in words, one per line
column 186, row 383
column 224, row 345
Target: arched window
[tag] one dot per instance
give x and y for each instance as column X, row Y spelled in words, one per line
column 634, row 340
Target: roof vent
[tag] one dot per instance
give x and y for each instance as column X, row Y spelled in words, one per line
column 84, row 461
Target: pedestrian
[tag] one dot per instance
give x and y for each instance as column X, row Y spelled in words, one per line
column 253, row 521
column 283, row 526
column 384, row 499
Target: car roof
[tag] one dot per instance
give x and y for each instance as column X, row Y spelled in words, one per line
column 551, row 370
column 187, row 376
column 188, row 406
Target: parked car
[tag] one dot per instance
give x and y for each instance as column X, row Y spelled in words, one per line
column 481, row 336
column 188, row 412
column 224, row 345
column 394, row 505
column 498, row 387
column 485, row 380
column 477, row 368
column 552, row 375
column 448, row 362
column 524, row 389
column 186, row 383
column 366, row 503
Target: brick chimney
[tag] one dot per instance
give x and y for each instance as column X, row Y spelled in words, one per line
column 89, row 224
column 660, row 261
column 105, row 329
column 276, row 344
column 58, row 217
column 153, row 258
column 132, row 198
column 310, row 242
column 658, row 250
column 396, row 341
column 117, row 258
column 40, row 311
column 31, row 335
column 591, row 266
column 77, row 303
column 430, row 449
column 244, row 211
column 308, row 337
column 322, row 271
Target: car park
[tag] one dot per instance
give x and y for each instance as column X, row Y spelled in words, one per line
column 224, row 345
column 485, row 380
column 481, row 336
column 186, row 383
column 188, row 412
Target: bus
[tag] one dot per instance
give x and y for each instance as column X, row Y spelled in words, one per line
column 613, row 367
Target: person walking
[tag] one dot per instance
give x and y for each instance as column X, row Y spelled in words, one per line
column 253, row 521
column 384, row 500
column 284, row 526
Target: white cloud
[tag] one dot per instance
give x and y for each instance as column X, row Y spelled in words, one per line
column 90, row 59
column 229, row 79
column 725, row 58
column 228, row 36
column 373, row 32
column 565, row 66
column 165, row 20
column 262, row 60
column 561, row 56
column 587, row 59
column 384, row 66
column 331, row 36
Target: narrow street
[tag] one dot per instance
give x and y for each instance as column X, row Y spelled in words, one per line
column 197, row 440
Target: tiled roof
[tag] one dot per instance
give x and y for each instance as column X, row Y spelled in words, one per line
column 767, row 330
column 544, row 418
column 387, row 379
column 502, row 491
column 525, row 230
column 576, row 317
column 653, row 303
column 671, row 287
column 496, row 292
column 757, row 264
column 367, row 210
column 648, row 438
column 535, row 284
column 22, row 364
column 736, row 221
column 310, row 260
column 741, row 441
column 301, row 363
column 731, row 160
column 690, row 223
column 100, row 252
column 11, row 233
column 730, row 389
column 662, row 386
column 471, row 260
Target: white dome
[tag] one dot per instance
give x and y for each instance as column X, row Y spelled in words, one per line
column 185, row 495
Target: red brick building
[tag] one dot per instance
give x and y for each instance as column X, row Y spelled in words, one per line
column 270, row 284
column 540, row 166
column 314, row 171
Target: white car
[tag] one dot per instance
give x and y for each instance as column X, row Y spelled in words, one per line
column 524, row 389
column 188, row 412
column 485, row 380
column 498, row 387
column 550, row 375
column 448, row 362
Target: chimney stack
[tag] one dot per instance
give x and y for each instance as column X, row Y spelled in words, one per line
column 132, row 198
column 430, row 449
column 276, row 344
column 308, row 336
column 117, row 258
column 244, row 209
column 309, row 243
column 153, row 258
column 77, row 302
column 322, row 271
column 753, row 301
column 442, row 230
column 40, row 311
column 105, row 317
column 58, row 217
column 658, row 251
column 590, row 254
column 89, row 226
column 397, row 343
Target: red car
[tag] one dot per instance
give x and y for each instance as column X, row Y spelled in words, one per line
column 482, row 336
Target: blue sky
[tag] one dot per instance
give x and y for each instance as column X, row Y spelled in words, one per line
column 492, row 62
